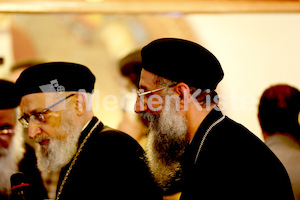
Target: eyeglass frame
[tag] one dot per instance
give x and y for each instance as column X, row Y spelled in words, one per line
column 141, row 94
column 152, row 91
column 24, row 120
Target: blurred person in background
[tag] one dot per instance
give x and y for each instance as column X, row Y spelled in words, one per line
column 190, row 141
column 15, row 155
column 19, row 67
column 131, row 67
column 278, row 114
column 96, row 161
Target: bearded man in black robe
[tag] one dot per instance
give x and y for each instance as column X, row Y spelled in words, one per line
column 192, row 146
column 96, row 162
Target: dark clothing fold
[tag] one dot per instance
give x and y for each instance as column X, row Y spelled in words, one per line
column 109, row 167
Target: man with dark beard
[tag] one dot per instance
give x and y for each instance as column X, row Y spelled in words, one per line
column 15, row 155
column 191, row 143
column 96, row 162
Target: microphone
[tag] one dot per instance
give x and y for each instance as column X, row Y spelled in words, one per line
column 19, row 187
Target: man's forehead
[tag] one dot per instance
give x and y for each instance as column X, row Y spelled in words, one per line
column 31, row 97
column 31, row 101
column 7, row 115
column 38, row 100
column 147, row 79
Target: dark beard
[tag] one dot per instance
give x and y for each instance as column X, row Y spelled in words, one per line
column 167, row 140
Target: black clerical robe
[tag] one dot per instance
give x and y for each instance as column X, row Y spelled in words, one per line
column 109, row 167
column 231, row 164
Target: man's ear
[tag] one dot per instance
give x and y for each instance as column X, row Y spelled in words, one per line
column 182, row 89
column 184, row 93
column 80, row 104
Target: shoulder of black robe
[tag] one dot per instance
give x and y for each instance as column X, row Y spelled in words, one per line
column 28, row 166
column 232, row 164
column 110, row 166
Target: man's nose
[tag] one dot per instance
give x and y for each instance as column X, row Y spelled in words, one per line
column 33, row 130
column 140, row 105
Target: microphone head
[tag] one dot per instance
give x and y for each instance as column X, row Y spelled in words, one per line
column 18, row 179
column 20, row 189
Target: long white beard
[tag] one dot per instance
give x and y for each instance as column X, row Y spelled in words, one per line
column 166, row 142
column 10, row 158
column 58, row 153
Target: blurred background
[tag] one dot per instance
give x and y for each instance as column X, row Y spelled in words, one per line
column 257, row 43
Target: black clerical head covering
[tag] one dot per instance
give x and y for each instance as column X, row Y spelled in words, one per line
column 55, row 77
column 9, row 95
column 182, row 61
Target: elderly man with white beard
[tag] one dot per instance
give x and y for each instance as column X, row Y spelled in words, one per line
column 15, row 155
column 192, row 146
column 96, row 161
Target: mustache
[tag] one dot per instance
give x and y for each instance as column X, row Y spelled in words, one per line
column 149, row 116
column 39, row 139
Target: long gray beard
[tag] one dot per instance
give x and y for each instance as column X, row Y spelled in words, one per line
column 10, row 158
column 58, row 153
column 166, row 142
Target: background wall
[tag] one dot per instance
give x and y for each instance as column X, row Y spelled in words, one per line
column 256, row 51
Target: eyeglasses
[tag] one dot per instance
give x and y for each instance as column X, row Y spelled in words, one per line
column 6, row 131
column 142, row 94
column 40, row 116
column 152, row 91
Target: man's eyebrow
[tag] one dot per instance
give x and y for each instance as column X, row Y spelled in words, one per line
column 143, row 87
column 37, row 110
column 5, row 126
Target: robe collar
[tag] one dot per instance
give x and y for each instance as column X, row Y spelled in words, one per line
column 192, row 148
column 87, row 129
